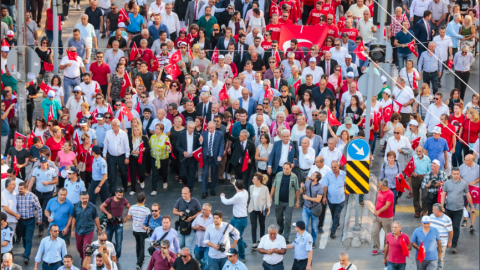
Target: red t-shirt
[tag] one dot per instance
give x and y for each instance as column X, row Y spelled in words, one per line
column 99, row 73
column 470, row 131
column 180, row 40
column 67, row 131
column 382, row 198
column 333, row 31
column 266, row 45
column 147, row 55
column 293, row 10
column 116, row 208
column 50, row 21
column 275, row 28
column 395, row 254
column 331, row 7
column 80, row 116
column 54, row 147
column 314, row 17
column 282, row 21
column 447, row 134
column 191, row 37
column 87, row 157
column 352, row 33
column 323, row 50
column 457, row 122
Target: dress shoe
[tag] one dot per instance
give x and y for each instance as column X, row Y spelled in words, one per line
column 204, row 195
column 212, row 192
column 417, row 215
column 26, row 260
column 333, row 236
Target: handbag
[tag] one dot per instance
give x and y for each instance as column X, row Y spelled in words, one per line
column 317, row 209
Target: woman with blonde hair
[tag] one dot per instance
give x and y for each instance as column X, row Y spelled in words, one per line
column 224, row 105
column 136, row 167
column 468, row 33
column 472, row 104
column 277, row 106
column 299, row 129
column 83, row 113
column 423, row 100
column 471, row 128
column 259, row 205
column 160, row 153
column 100, row 104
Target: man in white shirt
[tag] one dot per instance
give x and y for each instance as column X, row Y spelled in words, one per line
column 396, row 142
column 358, row 9
column 161, row 119
column 170, row 19
column 156, row 8
column 319, row 167
column 313, row 70
column 74, row 104
column 306, row 158
column 331, row 153
column 240, row 214
column 348, row 63
column 403, row 94
column 273, row 246
column 235, row 92
column 250, row 38
column 338, row 52
column 248, row 71
column 443, row 50
column 344, row 263
column 435, row 110
column 366, row 29
column 10, row 175
column 88, row 88
column 71, row 72
column 102, row 241
column 257, row 84
column 416, row 10
column 9, row 204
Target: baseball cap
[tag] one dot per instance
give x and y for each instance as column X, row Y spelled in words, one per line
column 387, row 91
column 413, row 122
column 437, row 130
column 122, row 25
column 348, row 56
column 51, row 93
column 5, row 49
column 72, row 169
column 312, row 59
column 43, row 159
column 82, row 122
column 169, row 77
column 205, row 88
column 96, row 149
column 99, row 116
column 300, row 224
column 221, row 56
column 119, row 190
column 77, row 88
column 348, row 120
column 10, row 33
column 426, row 219
column 232, row 251
column 384, row 79
column 435, row 161
column 351, row 75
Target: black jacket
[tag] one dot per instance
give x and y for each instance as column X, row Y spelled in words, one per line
column 316, row 127
column 282, row 83
column 180, row 7
column 206, row 46
column 238, row 153
column 333, row 63
column 146, row 146
column 199, row 108
column 182, row 146
column 268, row 54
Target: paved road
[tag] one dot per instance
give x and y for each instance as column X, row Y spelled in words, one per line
column 324, row 256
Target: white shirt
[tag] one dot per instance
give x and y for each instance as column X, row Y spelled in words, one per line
column 58, row 92
column 72, row 71
column 245, row 103
column 441, row 50
column 249, row 77
column 324, row 170
column 10, row 200
column 266, row 120
column 3, row 63
column 89, row 90
column 317, row 73
column 74, row 107
column 394, row 145
column 409, row 77
column 433, row 115
column 358, row 11
column 404, row 96
column 305, row 161
column 330, row 156
column 284, row 154
column 256, row 88
column 215, row 90
column 365, row 29
column 239, row 202
column 17, row 180
column 418, row 7
column 267, row 243
column 171, row 21
column 325, row 131
column 234, row 93
column 190, row 142
column 156, row 9
column 167, row 124
column 116, row 145
column 338, row 266
column 249, row 39
column 339, row 55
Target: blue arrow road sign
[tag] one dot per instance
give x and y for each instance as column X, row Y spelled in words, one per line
column 358, row 150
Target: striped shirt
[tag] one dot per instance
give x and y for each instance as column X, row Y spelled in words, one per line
column 444, row 225
column 139, row 213
column 27, row 205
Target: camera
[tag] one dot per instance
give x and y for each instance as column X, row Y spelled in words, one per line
column 221, row 248
column 105, row 221
column 186, row 215
column 90, row 249
column 153, row 247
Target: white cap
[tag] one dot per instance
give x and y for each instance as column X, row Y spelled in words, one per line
column 183, row 43
column 221, row 56
column 195, row 68
column 426, row 219
column 351, row 75
column 384, row 79
column 77, row 88
column 312, row 59
column 413, row 122
column 437, row 130
column 51, row 93
column 10, row 33
column 205, row 88
column 5, row 49
column 169, row 77
column 435, row 161
column 387, row 91
column 122, row 24
column 348, row 56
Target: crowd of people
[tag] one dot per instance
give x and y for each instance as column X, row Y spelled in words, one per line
column 199, row 93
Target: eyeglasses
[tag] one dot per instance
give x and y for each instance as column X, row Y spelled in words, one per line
column 314, row 114
column 118, row 105
column 98, row 98
column 99, row 57
column 143, row 97
column 436, row 98
column 265, row 103
column 216, row 30
column 271, row 62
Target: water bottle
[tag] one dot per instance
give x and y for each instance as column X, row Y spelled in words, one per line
column 52, row 216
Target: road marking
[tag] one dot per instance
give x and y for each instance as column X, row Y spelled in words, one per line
column 327, row 225
column 404, row 208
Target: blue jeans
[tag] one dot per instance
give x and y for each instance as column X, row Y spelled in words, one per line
column 201, row 255
column 240, row 224
column 396, row 266
column 68, row 85
column 306, row 216
column 402, row 58
column 26, row 228
column 457, row 158
column 216, row 264
column 118, row 230
column 187, row 241
column 335, row 210
column 372, row 143
column 394, row 198
column 60, row 43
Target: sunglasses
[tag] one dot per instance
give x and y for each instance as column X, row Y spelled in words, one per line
column 216, row 30
column 337, row 44
column 271, row 62
column 143, row 97
column 329, row 19
column 44, row 42
column 314, row 114
column 263, row 132
column 99, row 57
column 49, row 126
column 118, row 105
column 322, row 20
column 102, row 240
column 436, row 98
column 259, row 109
column 98, row 98
column 154, row 211
column 167, row 248
column 396, row 133
column 228, row 84
column 183, row 256
column 265, row 103
column 337, row 69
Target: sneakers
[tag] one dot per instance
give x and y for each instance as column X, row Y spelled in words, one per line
column 254, row 246
column 464, row 223
column 153, row 193
column 472, row 229
column 132, row 193
column 454, row 250
column 375, row 252
column 138, row 268
column 142, row 185
column 333, row 236
column 78, row 8
column 313, row 246
column 362, row 203
column 165, row 185
column 74, row 5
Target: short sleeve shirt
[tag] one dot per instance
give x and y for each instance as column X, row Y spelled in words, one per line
column 116, row 208
column 7, row 235
column 59, row 212
column 94, row 16
column 312, row 192
column 455, row 191
column 139, row 213
column 193, row 206
column 85, row 218
column 382, row 198
column 74, row 189
column 99, row 168
column 192, row 264
column 395, row 254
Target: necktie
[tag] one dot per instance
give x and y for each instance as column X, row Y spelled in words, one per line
column 276, row 84
column 328, row 68
column 428, row 30
column 210, row 144
column 321, row 129
column 243, row 146
column 241, row 51
column 195, row 14
column 258, row 131
column 204, row 110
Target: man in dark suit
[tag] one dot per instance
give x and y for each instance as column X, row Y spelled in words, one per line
column 245, row 7
column 271, row 52
column 321, row 128
column 328, row 64
column 205, row 107
column 8, row 262
column 277, row 82
column 234, row 108
column 214, row 112
column 274, row 164
column 316, row 141
column 239, row 149
column 193, row 9
column 188, row 164
column 213, row 145
column 232, row 51
column 248, row 102
column 424, row 31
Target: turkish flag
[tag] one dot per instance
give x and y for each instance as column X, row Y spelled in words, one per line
column 122, row 16
column 110, row 111
column 120, row 116
column 439, row 196
column 397, row 106
column 450, row 64
column 45, row 88
column 268, row 93
column 176, row 56
column 306, row 35
column 139, row 110
column 47, row 66
column 421, row 253
column 125, row 85
column 274, row 9
column 72, row 56
column 169, row 144
column 94, row 116
column 198, row 155
column 377, row 116
column 340, row 23
column 21, row 136
column 245, row 161
column 415, row 143
column 277, row 58
column 223, row 93
column 140, row 152
column 15, row 163
column 204, row 124
column 190, row 51
column 404, row 246
column 410, row 167
column 474, row 192
column 387, row 113
column 173, row 70
column 343, row 160
column 359, row 50
column 155, row 65
column 215, row 56
column 414, row 81
column 296, row 86
column 97, row 88
column 340, row 78
column 5, row 43
column 411, row 47
column 134, row 52
column 51, row 116
column 332, row 120
column 76, row 143
column 231, row 126
column 30, row 139
column 401, row 184
column 126, row 112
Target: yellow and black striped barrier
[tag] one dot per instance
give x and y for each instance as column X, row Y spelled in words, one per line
column 358, row 174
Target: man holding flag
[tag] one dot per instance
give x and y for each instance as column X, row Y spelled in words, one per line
column 243, row 154
column 383, row 214
column 397, row 247
column 426, row 240
column 422, row 165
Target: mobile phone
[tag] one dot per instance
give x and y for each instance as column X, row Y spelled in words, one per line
column 233, row 180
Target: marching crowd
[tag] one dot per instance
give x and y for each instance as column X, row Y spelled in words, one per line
column 197, row 93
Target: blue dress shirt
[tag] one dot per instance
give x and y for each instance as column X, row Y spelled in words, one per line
column 436, row 148
column 51, row 251
column 336, row 186
column 429, row 63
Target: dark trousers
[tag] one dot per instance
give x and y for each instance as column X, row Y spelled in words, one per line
column 87, row 178
column 157, row 173
column 112, row 163
column 36, row 7
column 299, row 264
column 23, row 174
column 173, row 36
column 207, row 163
column 415, row 21
column 456, row 217
column 465, row 76
column 466, row 150
column 175, row 162
column 26, row 228
column 188, row 168
column 254, row 215
column 444, row 68
column 431, row 200
column 335, row 209
column 405, row 119
column 104, row 193
column 140, row 246
column 267, row 266
column 431, row 78
column 50, row 38
column 457, row 158
column 30, row 114
column 61, row 181
column 104, row 89
column 135, row 167
column 306, row 13
column 283, row 214
column 43, row 199
column 418, row 194
column 242, row 175
column 55, row 266
column 321, row 218
column 395, row 51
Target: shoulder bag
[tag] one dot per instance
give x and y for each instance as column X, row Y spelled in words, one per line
column 152, row 249
column 317, row 209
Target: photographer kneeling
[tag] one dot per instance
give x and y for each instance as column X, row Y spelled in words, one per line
column 101, row 260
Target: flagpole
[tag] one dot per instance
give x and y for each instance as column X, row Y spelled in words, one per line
column 55, row 37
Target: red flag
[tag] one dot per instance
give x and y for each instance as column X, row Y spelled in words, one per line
column 15, row 163
column 340, row 78
column 415, row 143
column 94, row 116
column 77, row 144
column 45, row 87
column 343, row 160
column 332, row 120
column 125, row 85
column 387, row 113
column 410, row 167
column 296, row 86
column 403, row 18
column 359, row 50
column 421, row 253
column 215, row 56
column 155, row 64
column 5, row 43
column 120, row 115
column 110, row 111
column 231, row 126
column 122, row 16
column 401, row 184
column 21, row 136
column 306, row 35
column 404, row 246
column 377, row 117
column 397, row 106
column 72, row 56
column 277, row 57
column 169, row 144
column 190, row 51
column 198, row 155
column 51, row 116
column 176, row 56
column 474, row 192
column 268, row 93
column 450, row 64
column 204, row 123
column 126, row 112
column 223, row 93
column 47, row 66
column 414, row 84
column 138, row 108
column 439, row 196
column 30, row 139
column 245, row 161
column 134, row 52
column 274, row 9
column 173, row 70
column 411, row 47
column 140, row 152
column 340, row 22
column 97, row 88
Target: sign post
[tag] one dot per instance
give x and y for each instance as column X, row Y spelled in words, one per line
column 358, row 171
